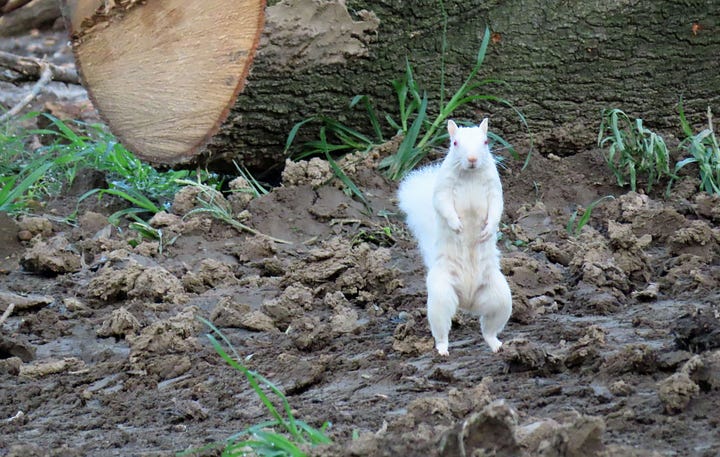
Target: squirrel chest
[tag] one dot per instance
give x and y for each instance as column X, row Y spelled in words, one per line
column 470, row 198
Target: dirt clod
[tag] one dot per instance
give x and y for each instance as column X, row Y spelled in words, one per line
column 314, row 172
column 621, row 388
column 707, row 376
column 633, row 358
column 133, row 280
column 10, row 366
column 697, row 331
column 676, row 391
column 35, row 225
column 49, row 367
column 211, row 273
column 120, row 323
column 54, row 257
column 161, row 348
column 522, row 355
column 489, row 432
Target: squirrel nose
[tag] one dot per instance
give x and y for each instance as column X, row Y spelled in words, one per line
column 472, row 160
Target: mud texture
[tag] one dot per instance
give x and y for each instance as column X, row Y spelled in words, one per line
column 613, row 348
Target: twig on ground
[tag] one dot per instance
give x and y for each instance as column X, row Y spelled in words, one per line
column 23, row 302
column 45, row 78
column 7, row 313
column 31, row 69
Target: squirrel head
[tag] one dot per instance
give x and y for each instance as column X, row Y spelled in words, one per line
column 469, row 145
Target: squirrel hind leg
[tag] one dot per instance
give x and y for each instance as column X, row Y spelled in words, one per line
column 495, row 306
column 441, row 306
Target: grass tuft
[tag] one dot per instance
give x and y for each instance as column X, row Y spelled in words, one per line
column 703, row 150
column 633, row 151
column 281, row 436
column 26, row 175
column 421, row 132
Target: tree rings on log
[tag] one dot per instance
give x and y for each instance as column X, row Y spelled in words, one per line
column 163, row 74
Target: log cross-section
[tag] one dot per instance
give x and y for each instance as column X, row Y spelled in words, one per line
column 164, row 74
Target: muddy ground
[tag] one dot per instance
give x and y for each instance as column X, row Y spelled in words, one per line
column 613, row 348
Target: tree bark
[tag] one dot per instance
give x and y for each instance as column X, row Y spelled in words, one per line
column 564, row 62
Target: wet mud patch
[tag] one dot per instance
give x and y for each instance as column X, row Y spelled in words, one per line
column 612, row 348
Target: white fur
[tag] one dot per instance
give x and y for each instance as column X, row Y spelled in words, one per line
column 453, row 209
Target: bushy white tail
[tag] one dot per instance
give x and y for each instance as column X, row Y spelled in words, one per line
column 415, row 198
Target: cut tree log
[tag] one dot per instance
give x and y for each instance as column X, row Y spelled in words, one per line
column 164, row 74
column 563, row 63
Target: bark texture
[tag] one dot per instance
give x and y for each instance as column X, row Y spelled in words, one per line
column 563, row 61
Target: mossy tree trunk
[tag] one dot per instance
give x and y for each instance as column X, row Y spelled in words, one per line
column 563, row 63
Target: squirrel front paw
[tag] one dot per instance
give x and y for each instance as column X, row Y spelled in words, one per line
column 455, row 224
column 485, row 234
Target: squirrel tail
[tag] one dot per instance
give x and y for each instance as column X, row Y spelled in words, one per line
column 415, row 198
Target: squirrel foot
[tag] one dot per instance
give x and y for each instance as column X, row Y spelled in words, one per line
column 494, row 343
column 442, row 348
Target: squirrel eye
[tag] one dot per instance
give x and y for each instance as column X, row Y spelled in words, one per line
column 455, row 143
column 486, row 141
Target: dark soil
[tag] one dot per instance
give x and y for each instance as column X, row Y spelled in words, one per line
column 613, row 348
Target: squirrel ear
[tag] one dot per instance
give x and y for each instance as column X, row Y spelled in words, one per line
column 484, row 126
column 452, row 128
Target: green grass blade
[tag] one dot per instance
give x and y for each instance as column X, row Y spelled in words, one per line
column 280, row 443
column 253, row 378
column 371, row 114
column 341, row 174
column 294, row 131
column 314, row 436
column 250, row 377
column 131, row 195
column 11, row 192
column 115, row 217
column 684, row 124
column 408, row 155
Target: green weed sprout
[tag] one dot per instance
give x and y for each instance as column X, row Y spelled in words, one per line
column 416, row 144
column 148, row 232
column 575, row 225
column 43, row 172
column 704, row 151
column 283, row 435
column 142, row 203
column 25, row 175
column 633, row 150
column 421, row 133
column 350, row 140
column 256, row 189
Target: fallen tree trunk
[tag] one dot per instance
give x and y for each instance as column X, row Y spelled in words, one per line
column 562, row 66
column 563, row 63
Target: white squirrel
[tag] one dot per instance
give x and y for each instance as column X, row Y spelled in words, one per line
column 453, row 209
